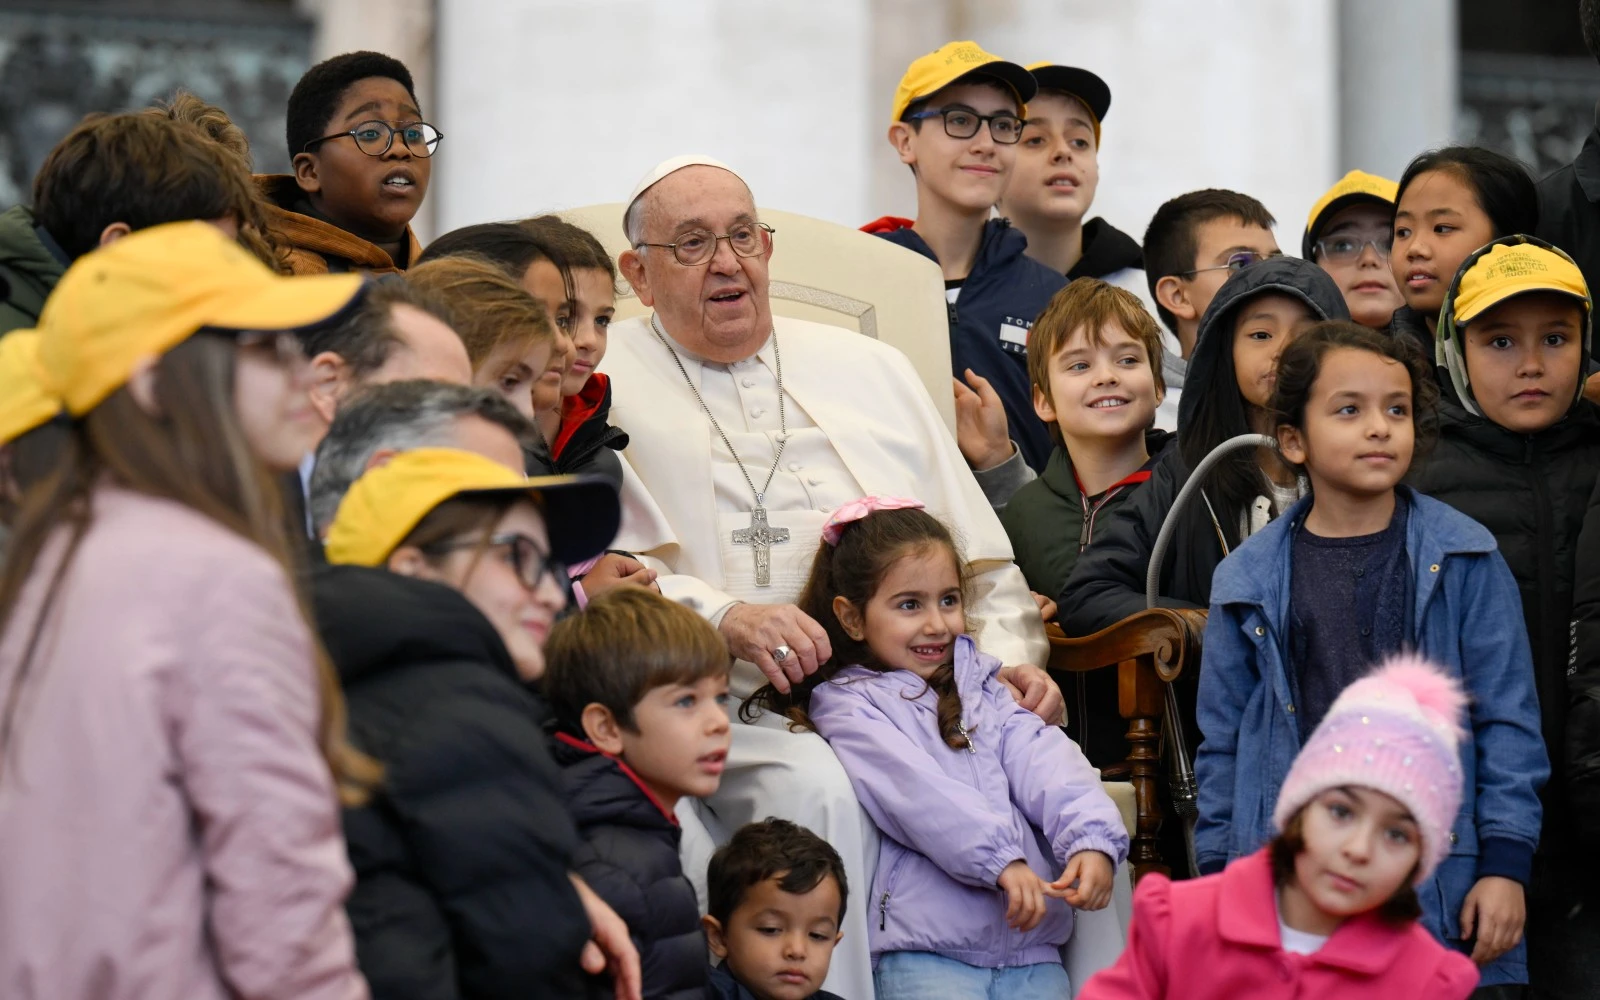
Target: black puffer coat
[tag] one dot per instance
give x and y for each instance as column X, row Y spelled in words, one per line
column 462, row 856
column 629, row 856
column 1531, row 491
column 1581, row 751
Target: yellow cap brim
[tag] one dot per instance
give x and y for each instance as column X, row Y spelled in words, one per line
column 289, row 304
column 1469, row 308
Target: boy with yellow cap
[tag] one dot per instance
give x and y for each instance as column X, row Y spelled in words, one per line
column 31, row 433
column 1349, row 233
column 957, row 117
column 1518, row 451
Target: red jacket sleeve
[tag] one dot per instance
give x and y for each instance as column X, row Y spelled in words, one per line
column 1141, row 972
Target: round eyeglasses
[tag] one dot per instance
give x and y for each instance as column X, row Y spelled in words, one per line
column 1344, row 249
column 963, row 123
column 530, row 563
column 1236, row 262
column 747, row 239
column 375, row 138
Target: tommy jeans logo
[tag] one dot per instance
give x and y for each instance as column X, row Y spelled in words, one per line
column 1014, row 334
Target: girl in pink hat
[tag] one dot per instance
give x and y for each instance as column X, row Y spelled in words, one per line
column 994, row 824
column 1329, row 908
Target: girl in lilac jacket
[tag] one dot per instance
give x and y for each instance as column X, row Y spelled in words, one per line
column 993, row 822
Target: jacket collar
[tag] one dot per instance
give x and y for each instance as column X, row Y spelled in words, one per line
column 1586, row 165
column 310, row 233
column 1000, row 246
column 571, row 750
column 1247, row 914
column 1061, row 477
column 1106, row 250
column 1578, row 427
column 594, row 398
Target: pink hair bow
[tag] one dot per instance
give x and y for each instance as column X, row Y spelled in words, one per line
column 855, row 510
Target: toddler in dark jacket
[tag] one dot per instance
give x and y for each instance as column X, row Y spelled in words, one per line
column 639, row 685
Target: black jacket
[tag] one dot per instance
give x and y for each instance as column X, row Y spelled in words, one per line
column 587, row 444
column 462, row 856
column 1531, row 492
column 1106, row 250
column 1581, row 749
column 991, row 318
column 1407, row 322
column 629, row 856
column 722, row 986
column 1108, row 583
column 1569, row 210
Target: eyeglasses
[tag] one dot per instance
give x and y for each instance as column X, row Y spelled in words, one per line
column 376, row 137
column 1235, row 262
column 280, row 347
column 1344, row 249
column 528, row 561
column 962, row 123
column 747, row 239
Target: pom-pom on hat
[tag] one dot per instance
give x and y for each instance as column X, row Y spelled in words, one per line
column 1396, row 731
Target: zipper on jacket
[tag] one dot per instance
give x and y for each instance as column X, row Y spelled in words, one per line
column 888, row 890
column 961, row 727
column 883, row 912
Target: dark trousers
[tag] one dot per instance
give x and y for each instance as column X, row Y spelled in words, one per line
column 1563, row 931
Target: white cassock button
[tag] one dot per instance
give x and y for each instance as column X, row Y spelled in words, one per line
column 813, row 480
column 747, row 383
column 795, row 466
column 826, row 508
column 756, row 411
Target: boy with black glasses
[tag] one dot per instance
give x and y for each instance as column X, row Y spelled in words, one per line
column 957, row 116
column 361, row 155
column 1350, row 233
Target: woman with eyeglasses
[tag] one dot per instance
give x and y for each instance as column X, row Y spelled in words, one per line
column 1348, row 233
column 447, row 571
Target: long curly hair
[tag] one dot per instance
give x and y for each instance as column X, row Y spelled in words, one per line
column 853, row 570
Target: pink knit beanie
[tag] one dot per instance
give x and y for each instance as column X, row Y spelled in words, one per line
column 1396, row 731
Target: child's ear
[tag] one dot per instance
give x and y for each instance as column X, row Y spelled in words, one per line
column 1042, row 405
column 849, row 618
column 1291, row 444
column 305, row 173
column 900, row 135
column 714, row 936
column 601, row 728
column 1174, row 298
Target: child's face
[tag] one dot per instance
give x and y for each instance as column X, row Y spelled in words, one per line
column 1361, row 847
column 1366, row 280
column 1215, row 242
column 912, row 621
column 1359, row 433
column 1100, row 391
column 680, row 736
column 1057, row 168
column 374, row 197
column 543, row 281
column 588, row 323
column 1264, row 328
column 513, row 371
column 1437, row 225
column 778, row 944
column 1524, row 358
column 968, row 174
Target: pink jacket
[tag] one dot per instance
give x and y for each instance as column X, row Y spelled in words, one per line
column 167, row 826
column 1186, row 942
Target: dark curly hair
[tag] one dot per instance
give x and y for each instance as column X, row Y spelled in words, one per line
column 854, row 569
column 774, row 848
column 317, row 95
column 1300, row 366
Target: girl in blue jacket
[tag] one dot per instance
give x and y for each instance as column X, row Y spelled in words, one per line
column 1360, row 569
column 990, row 818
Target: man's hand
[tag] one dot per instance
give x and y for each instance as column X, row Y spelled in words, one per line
column 1591, row 388
column 610, row 947
column 1496, row 909
column 981, row 430
column 1047, row 607
column 1035, row 691
column 753, row 631
column 1025, row 892
column 1093, row 871
column 617, row 570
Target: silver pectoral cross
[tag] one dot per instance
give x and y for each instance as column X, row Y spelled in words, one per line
column 761, row 537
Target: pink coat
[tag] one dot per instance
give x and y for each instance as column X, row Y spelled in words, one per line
column 1217, row 938
column 167, row 826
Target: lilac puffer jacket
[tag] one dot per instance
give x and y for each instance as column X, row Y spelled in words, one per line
column 953, row 819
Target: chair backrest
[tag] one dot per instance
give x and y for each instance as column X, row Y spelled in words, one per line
column 828, row 273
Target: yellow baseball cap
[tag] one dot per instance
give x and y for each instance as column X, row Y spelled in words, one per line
column 24, row 403
column 1507, row 271
column 1080, row 83
column 937, row 70
column 386, row 503
column 149, row 291
column 1357, row 185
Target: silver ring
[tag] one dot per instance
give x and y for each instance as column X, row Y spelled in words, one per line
column 781, row 653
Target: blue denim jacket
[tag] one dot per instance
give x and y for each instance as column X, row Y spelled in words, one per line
column 1468, row 620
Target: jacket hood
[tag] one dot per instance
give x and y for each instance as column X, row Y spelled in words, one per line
column 1291, row 276
column 372, row 620
column 1001, row 244
column 604, row 790
column 1106, row 250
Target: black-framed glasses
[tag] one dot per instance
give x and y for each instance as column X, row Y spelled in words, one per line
column 747, row 239
column 1236, row 262
column 281, row 347
column 376, row 137
column 531, row 563
column 1344, row 249
column 963, row 123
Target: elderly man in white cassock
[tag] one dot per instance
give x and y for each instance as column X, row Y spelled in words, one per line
column 745, row 433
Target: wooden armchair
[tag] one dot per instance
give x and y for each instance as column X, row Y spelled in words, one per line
column 1149, row 650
